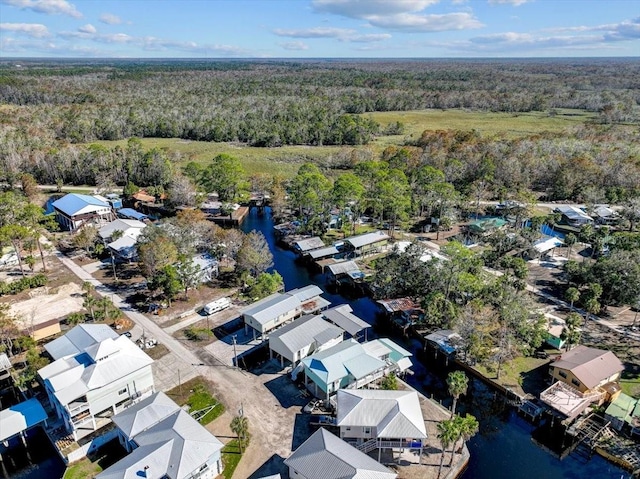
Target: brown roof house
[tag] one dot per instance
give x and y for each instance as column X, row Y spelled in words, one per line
column 582, row 376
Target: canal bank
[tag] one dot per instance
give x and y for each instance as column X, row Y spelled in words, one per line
column 503, row 447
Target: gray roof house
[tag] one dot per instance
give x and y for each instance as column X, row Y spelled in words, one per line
column 343, row 317
column 279, row 309
column 302, row 337
column 366, row 243
column 78, row 339
column 74, row 210
column 308, row 244
column 376, row 419
column 164, row 441
column 325, row 456
column 573, row 215
column 98, row 377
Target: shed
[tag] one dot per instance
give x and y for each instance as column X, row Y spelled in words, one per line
column 130, row 213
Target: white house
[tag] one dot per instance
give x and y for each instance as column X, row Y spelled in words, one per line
column 279, row 309
column 96, row 379
column 164, row 441
column 125, row 245
column 74, row 211
column 302, row 337
column 573, row 215
column 325, row 456
column 376, row 419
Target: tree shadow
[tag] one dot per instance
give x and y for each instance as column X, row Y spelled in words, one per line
column 535, row 380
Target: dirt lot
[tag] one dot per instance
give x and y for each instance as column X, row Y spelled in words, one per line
column 48, row 303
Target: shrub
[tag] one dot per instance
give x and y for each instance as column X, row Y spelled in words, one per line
column 22, row 284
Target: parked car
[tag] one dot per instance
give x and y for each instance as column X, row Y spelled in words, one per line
column 126, row 333
column 311, row 405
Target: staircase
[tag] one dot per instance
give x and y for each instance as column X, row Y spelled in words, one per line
column 368, row 446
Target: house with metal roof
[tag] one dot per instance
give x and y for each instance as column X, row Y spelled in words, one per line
column 343, row 317
column 127, row 232
column 320, row 253
column 78, row 339
column 350, row 364
column 278, row 309
column 367, row 243
column 131, row 214
column 326, row 456
column 94, row 377
column 304, row 336
column 164, row 441
column 305, row 245
column 344, row 269
column 74, row 211
column 624, row 415
column 373, row 419
column 573, row 215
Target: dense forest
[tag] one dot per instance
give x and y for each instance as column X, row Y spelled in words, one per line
column 52, row 110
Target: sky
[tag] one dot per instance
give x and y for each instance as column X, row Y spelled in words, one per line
column 319, row 28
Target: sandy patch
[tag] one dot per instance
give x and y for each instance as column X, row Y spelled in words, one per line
column 44, row 306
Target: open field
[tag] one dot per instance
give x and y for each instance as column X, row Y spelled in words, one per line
column 285, row 160
column 511, row 125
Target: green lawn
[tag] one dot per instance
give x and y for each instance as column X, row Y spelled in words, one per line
column 487, row 123
column 230, row 458
column 630, row 386
column 196, row 393
column 522, row 375
column 82, row 469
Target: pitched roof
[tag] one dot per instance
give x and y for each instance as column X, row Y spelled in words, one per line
column 589, row 365
column 325, row 456
column 392, row 413
column 367, row 238
column 573, row 213
column 343, row 316
column 278, row 304
column 20, row 417
column 342, row 267
column 120, row 225
column 78, row 339
column 309, row 244
column 322, row 252
column 303, row 332
column 73, row 204
column 170, row 441
column 98, row 365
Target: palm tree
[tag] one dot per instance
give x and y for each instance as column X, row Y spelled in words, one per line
column 572, row 295
column 240, row 427
column 569, row 240
column 90, row 302
column 447, row 435
column 457, row 382
column 466, row 428
column 571, row 333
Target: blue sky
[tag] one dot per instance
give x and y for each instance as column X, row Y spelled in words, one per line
column 319, row 28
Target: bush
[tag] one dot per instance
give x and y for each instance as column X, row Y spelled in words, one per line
column 22, row 284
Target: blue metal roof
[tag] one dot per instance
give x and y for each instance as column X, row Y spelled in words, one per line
column 71, row 203
column 131, row 213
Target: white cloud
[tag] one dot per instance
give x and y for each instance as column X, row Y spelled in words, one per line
column 369, row 38
column 46, row 6
column 399, row 15
column 294, row 46
column 88, row 28
column 110, row 19
column 317, row 32
column 515, row 3
column 34, row 30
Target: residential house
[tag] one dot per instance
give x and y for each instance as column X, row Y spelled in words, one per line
column 302, row 337
column 120, row 237
column 208, row 267
column 344, row 270
column 582, row 376
column 74, row 211
column 546, row 246
column 605, row 215
column 555, row 328
column 624, row 415
column 367, row 243
column 164, row 441
column 573, row 215
column 94, row 376
column 343, row 317
column 325, row 456
column 131, row 214
column 322, row 253
column 373, row 419
column 304, row 246
column 445, row 340
column 350, row 364
column 278, row 309
column 5, row 366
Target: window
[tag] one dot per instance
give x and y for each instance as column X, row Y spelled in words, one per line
column 122, row 391
column 562, row 374
column 367, row 430
column 575, row 382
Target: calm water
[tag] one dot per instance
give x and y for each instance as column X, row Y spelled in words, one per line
column 503, row 448
column 40, row 461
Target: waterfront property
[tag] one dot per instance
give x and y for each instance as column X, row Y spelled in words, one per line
column 278, row 309
column 446, row 340
column 343, row 317
column 347, row 271
column 304, row 336
column 624, row 415
column 94, row 376
column 353, row 365
column 325, row 456
column 305, row 245
column 15, row 420
column 74, row 211
column 373, row 419
column 164, row 441
column 367, row 243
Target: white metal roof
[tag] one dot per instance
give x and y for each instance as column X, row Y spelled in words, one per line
column 394, row 414
column 574, row 213
column 4, row 362
column 367, row 238
column 342, row 267
column 325, row 456
column 309, row 244
column 78, row 339
column 303, row 332
column 278, row 304
column 120, row 225
column 544, row 245
column 323, row 252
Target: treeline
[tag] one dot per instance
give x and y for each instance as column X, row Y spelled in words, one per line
column 312, row 103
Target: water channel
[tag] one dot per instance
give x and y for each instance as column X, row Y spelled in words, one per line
column 503, row 448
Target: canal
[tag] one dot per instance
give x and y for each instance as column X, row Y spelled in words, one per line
column 503, row 447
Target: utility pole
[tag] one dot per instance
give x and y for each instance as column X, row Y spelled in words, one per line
column 235, row 354
column 179, row 383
